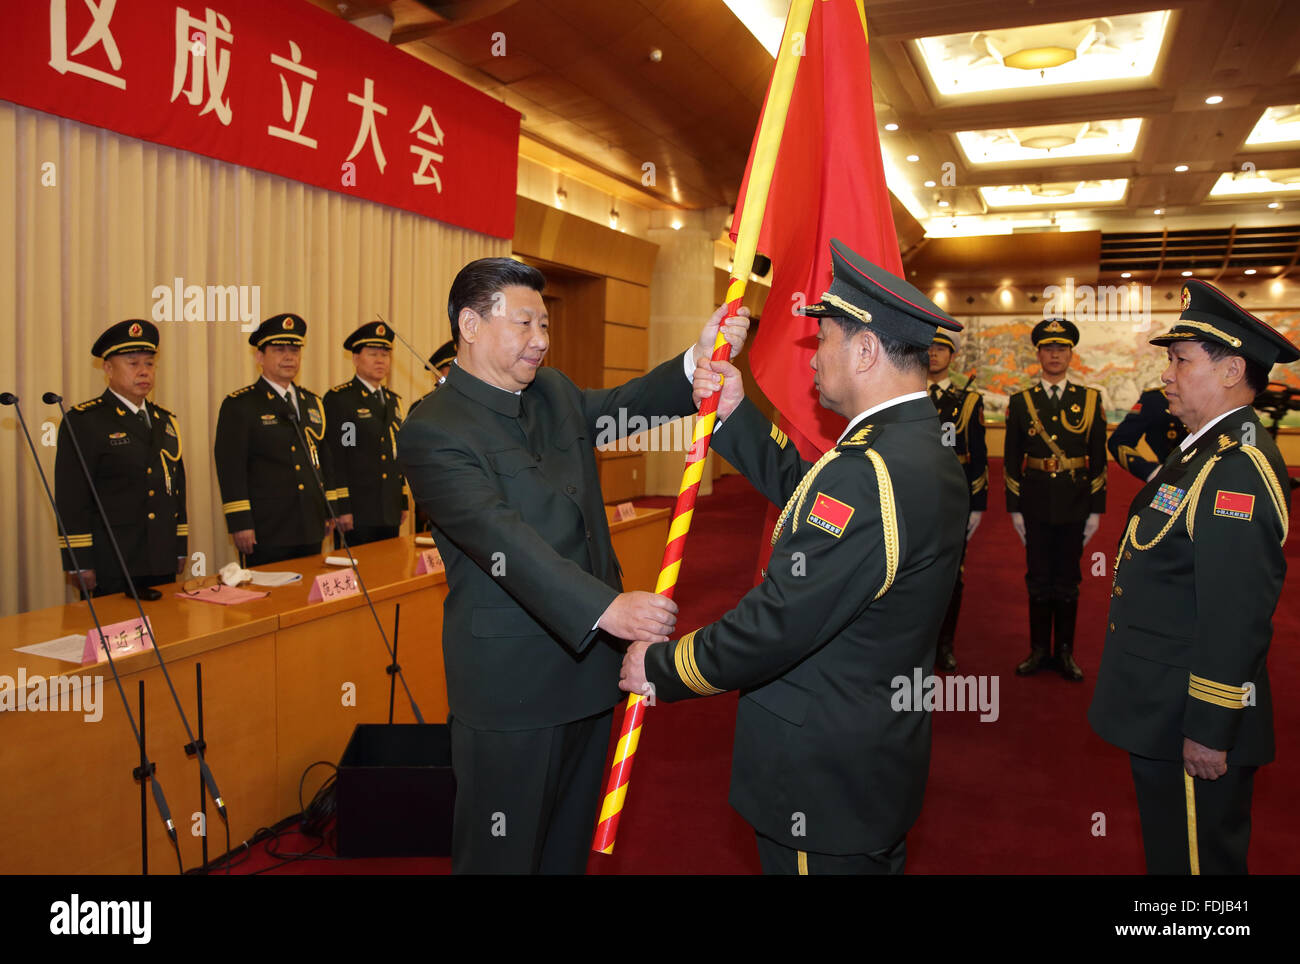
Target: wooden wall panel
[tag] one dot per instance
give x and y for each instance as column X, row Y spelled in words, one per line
column 561, row 238
column 626, row 347
column 627, row 304
column 622, row 476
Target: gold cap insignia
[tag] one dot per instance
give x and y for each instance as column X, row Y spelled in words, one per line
column 1075, row 408
column 1032, row 430
column 135, row 330
column 1187, row 298
column 1055, row 326
column 287, row 324
column 379, row 330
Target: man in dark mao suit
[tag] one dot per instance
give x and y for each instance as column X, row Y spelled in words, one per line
column 501, row 458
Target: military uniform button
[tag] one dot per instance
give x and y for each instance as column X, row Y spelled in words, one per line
column 588, row 533
column 1112, row 627
column 300, row 486
column 293, row 448
column 1119, row 590
column 384, row 475
column 297, row 468
column 1127, row 554
column 151, row 491
column 383, row 458
column 148, row 471
column 150, row 515
column 1053, row 438
column 570, row 489
column 537, row 457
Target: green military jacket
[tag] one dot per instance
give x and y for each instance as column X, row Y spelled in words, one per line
column 961, row 426
column 266, row 477
column 1197, row 578
column 864, row 561
column 140, row 478
column 361, row 431
column 511, row 484
column 1072, row 429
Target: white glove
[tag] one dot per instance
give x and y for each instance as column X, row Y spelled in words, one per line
column 1091, row 526
column 1018, row 523
column 973, row 523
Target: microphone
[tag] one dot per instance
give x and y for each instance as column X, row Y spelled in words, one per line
column 361, row 582
column 160, row 800
column 423, row 363
column 55, row 399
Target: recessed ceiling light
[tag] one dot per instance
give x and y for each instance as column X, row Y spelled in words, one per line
column 1274, row 204
column 1187, row 274
column 929, row 183
column 1214, row 99
column 891, row 126
column 1158, row 211
column 1249, row 271
column 1126, row 274
column 1180, row 168
column 943, row 204
column 913, row 157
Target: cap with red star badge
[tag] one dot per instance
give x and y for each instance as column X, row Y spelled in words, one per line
column 889, row 305
column 284, row 329
column 134, row 334
column 1210, row 315
column 1055, row 331
column 443, row 356
column 374, row 334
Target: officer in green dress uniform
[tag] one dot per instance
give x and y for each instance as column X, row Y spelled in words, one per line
column 363, row 418
column 1143, row 441
column 961, row 426
column 1183, row 684
column 1055, row 470
column 270, row 443
column 132, row 447
column 502, row 458
column 827, row 771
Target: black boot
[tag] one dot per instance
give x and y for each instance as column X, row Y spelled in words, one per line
column 944, row 659
column 1040, row 636
column 1065, row 611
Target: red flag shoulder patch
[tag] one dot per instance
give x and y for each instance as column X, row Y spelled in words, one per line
column 830, row 515
column 1234, row 505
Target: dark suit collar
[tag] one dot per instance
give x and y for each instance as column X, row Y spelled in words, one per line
column 476, row 390
column 909, row 411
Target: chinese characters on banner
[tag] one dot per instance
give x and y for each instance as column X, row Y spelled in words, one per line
column 277, row 85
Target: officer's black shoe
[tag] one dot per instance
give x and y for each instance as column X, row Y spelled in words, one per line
column 147, row 594
column 1069, row 668
column 945, row 660
column 1032, row 663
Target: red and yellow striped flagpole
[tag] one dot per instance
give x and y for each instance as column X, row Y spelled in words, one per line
column 751, row 220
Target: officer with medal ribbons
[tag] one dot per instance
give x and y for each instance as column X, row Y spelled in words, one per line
column 132, row 447
column 1183, row 684
column 1055, row 472
column 270, row 436
column 1147, row 435
column 961, row 426
column 363, row 418
column 825, row 769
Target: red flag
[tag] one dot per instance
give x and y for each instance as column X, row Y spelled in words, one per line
column 829, row 182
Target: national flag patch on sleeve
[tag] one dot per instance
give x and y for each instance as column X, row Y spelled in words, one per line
column 830, row 515
column 1234, row 505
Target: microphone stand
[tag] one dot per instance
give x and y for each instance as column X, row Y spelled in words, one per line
column 52, row 398
column 420, row 358
column 147, row 770
column 343, row 541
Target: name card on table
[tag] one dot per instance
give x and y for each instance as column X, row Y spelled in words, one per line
column 624, row 511
column 123, row 639
column 430, row 560
column 334, row 585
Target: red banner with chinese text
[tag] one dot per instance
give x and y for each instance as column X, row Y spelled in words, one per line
column 276, row 85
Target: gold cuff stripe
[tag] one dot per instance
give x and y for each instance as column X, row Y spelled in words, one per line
column 1224, row 689
column 1098, row 484
column 888, row 520
column 1013, row 485
column 239, row 505
column 1216, row 700
column 859, row 313
column 688, row 670
column 779, row 437
column 803, row 862
column 981, row 483
column 76, row 542
column 1193, row 854
column 182, row 529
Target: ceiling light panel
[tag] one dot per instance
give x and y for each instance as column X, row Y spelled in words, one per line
column 1053, row 194
column 1051, row 142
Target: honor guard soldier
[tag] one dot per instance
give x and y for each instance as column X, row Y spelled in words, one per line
column 1147, row 435
column 133, row 450
column 1055, row 470
column 363, row 419
column 961, row 426
column 269, row 445
column 440, row 364
column 1183, row 684
column 826, row 768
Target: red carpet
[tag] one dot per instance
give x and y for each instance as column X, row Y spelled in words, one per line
column 1026, row 794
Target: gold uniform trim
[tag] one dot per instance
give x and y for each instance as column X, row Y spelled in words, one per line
column 861, row 314
column 239, row 505
column 888, row 520
column 1091, row 397
column 1220, row 694
column 342, row 493
column 1188, row 506
column 795, row 503
column 803, row 862
column 980, row 483
column 182, row 529
column 1201, row 326
column 1272, row 484
column 1038, row 426
column 1098, row 483
column 967, row 410
column 78, row 541
column 1193, row 853
column 779, row 437
column 688, row 670
column 1013, row 485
